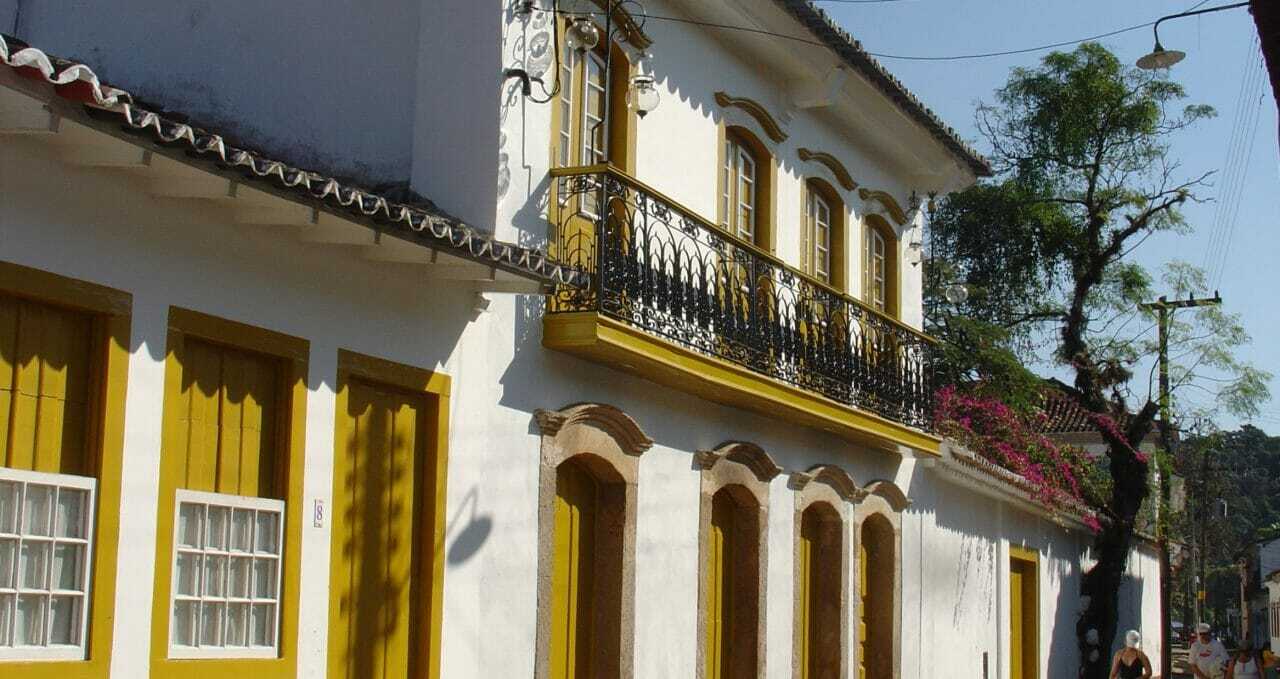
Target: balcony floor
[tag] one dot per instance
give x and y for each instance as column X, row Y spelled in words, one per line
column 615, row 344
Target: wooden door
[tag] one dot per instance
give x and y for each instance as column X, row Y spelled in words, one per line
column 574, row 570
column 378, row 533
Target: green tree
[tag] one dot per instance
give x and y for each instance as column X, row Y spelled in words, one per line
column 1084, row 175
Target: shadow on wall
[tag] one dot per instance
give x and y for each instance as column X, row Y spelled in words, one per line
column 467, row 542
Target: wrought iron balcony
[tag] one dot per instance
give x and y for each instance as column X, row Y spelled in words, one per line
column 657, row 267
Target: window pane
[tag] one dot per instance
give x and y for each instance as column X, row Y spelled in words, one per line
column 262, row 626
column 217, row 525
column 29, row 622
column 240, row 567
column 64, row 623
column 36, row 510
column 6, row 619
column 188, row 576
column 70, row 513
column 8, row 507
column 67, row 566
column 267, row 533
column 190, row 525
column 237, row 624
column 264, row 578
column 211, row 624
column 184, row 615
column 242, row 530
column 215, row 575
column 33, row 565
column 8, row 552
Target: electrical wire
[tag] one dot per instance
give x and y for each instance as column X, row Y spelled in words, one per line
column 1251, row 134
column 1229, row 170
column 881, row 55
column 1239, row 154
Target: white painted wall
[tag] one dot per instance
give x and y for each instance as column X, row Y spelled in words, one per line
column 102, row 227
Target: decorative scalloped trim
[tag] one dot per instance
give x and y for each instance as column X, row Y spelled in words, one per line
column 755, row 110
column 890, row 492
column 749, row 455
column 887, row 200
column 832, row 163
column 617, row 424
column 78, row 82
column 836, row 477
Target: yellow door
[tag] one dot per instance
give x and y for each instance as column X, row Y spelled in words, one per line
column 864, row 612
column 376, row 533
column 1015, row 621
column 573, row 571
column 720, row 585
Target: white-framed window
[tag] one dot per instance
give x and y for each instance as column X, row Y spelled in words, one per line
column 738, row 201
column 226, row 576
column 875, row 292
column 46, row 524
column 818, row 226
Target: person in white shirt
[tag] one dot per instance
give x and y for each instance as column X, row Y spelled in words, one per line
column 1208, row 656
column 1249, row 663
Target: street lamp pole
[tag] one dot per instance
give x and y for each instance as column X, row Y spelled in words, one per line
column 1162, row 58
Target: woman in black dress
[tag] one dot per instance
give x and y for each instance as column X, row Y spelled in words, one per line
column 1130, row 662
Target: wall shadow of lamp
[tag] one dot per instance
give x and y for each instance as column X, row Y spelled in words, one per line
column 1161, row 58
column 472, row 536
column 581, row 35
column 915, row 246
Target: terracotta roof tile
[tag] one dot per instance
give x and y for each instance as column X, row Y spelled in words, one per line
column 417, row 221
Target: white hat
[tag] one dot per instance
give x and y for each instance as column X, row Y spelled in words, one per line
column 1202, row 628
column 1132, row 639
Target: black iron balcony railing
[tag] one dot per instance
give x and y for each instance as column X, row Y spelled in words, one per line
column 657, row 266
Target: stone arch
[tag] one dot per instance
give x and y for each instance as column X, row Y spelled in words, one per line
column 588, row 468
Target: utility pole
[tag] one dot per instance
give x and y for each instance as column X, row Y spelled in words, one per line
column 1164, row 310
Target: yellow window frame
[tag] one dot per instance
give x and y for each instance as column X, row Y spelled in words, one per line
column 436, row 386
column 293, row 353
column 111, row 312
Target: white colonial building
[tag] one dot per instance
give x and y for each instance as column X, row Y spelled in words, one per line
column 440, row 339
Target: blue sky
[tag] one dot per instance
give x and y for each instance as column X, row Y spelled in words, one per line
column 1220, row 54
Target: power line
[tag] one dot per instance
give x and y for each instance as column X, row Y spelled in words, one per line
column 1251, row 133
column 1230, row 166
column 880, row 55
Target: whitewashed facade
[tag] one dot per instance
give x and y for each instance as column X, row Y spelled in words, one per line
column 414, row 92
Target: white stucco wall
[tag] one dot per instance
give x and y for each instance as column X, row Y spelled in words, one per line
column 184, row 253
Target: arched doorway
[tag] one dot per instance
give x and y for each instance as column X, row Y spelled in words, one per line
column 876, row 584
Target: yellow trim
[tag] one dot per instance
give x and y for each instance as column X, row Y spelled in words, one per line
column 1024, row 554
column 436, row 386
column 605, row 340
column 293, row 351
column 832, row 163
column 754, row 109
column 1024, row 611
column 887, row 200
column 112, row 325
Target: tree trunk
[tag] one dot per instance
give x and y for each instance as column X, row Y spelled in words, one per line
column 1100, row 586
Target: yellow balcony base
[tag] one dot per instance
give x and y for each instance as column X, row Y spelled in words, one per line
column 604, row 340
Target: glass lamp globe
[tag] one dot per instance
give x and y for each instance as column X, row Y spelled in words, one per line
column 643, row 95
column 582, row 35
column 957, row 294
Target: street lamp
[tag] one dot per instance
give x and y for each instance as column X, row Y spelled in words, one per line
column 1159, row 57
